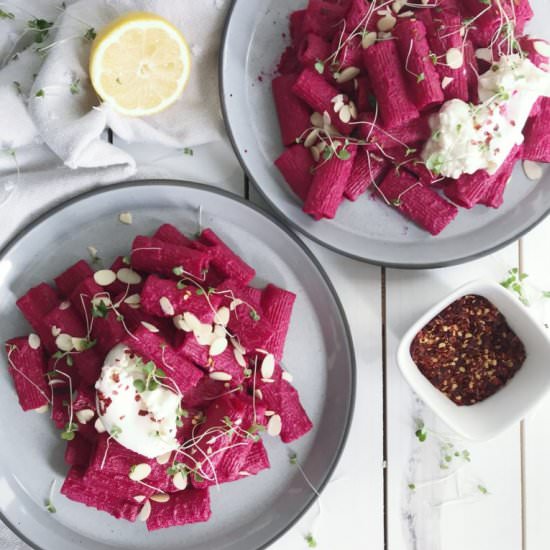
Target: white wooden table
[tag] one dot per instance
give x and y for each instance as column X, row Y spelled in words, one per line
column 369, row 504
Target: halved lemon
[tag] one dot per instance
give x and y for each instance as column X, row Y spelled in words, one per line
column 140, row 64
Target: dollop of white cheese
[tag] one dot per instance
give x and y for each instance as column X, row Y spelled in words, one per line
column 144, row 422
column 466, row 138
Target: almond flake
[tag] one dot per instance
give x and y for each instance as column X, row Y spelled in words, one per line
column 219, row 331
column 287, row 376
column 338, row 99
column 56, row 331
column 533, row 170
column 542, row 47
column 166, row 306
column 259, row 394
column 149, row 327
column 160, row 497
column 239, row 358
column 192, row 321
column 326, row 119
column 315, row 153
column 405, row 14
column 484, row 54
column 238, row 346
column 126, row 218
column 180, row 481
column 139, row 472
column 133, row 301
column 316, row 120
column 222, row 316
column 220, row 376
column 64, row 342
column 244, row 474
column 64, row 305
column 398, row 5
column 386, row 23
column 81, row 344
column 345, row 114
column 446, row 81
column 218, row 346
column 269, row 413
column 268, row 366
column 338, row 106
column 85, row 415
column 349, row 73
column 204, row 334
column 274, row 425
column 128, row 276
column 139, row 498
column 352, row 110
column 368, row 40
column 311, row 138
column 145, row 512
column 165, row 458
column 105, row 277
column 33, row 341
column 180, row 324
column 42, row 410
column 92, row 250
column 99, row 427
column 268, row 380
column 454, row 58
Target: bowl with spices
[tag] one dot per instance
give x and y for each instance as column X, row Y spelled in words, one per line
column 478, row 358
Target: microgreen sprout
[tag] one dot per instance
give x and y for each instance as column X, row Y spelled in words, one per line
column 41, row 27
column 483, row 490
column 6, row 14
column 90, row 34
column 100, row 310
column 69, row 431
column 48, row 503
column 188, row 151
column 75, row 86
column 40, row 93
column 411, row 486
column 514, row 283
column 319, row 66
column 421, row 433
column 311, row 542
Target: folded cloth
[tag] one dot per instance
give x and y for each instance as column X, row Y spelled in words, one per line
column 46, row 97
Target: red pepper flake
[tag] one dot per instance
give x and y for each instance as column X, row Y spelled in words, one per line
column 468, row 351
column 143, row 412
column 104, row 402
column 115, row 377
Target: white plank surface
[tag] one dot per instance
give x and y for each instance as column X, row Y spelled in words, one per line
column 416, row 521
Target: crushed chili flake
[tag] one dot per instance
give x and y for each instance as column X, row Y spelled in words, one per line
column 468, row 351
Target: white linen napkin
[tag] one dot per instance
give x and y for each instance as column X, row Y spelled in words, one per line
column 50, row 112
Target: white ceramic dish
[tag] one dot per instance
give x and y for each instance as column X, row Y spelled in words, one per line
column 255, row 37
column 247, row 515
column 511, row 403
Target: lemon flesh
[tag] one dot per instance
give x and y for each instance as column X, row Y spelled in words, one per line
column 140, row 64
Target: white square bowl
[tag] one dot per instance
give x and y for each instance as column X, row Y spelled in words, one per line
column 486, row 419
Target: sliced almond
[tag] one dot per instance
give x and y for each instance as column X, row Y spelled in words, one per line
column 405, row 14
column 268, row 366
column 274, row 425
column 165, row 458
column 398, row 5
column 485, row 54
column 133, row 301
column 316, row 120
column 161, row 498
column 128, row 276
column 239, row 358
column 349, row 73
column 352, row 110
column 259, row 394
column 542, row 47
column 326, row 119
column 345, row 114
column 311, row 138
column 99, row 427
column 369, row 38
column 220, row 376
column 64, row 305
column 533, row 170
column 64, row 342
column 338, row 99
column 145, row 512
column 139, row 498
column 180, row 324
column 192, row 321
column 125, row 218
column 238, row 346
column 315, row 153
column 454, row 58
column 42, row 410
column 33, row 341
column 139, row 472
column 222, row 316
column 105, row 277
column 149, row 327
column 386, row 23
column 180, row 481
column 218, row 346
column 287, row 376
column 166, row 306
column 338, row 106
column 269, row 413
column 204, row 334
column 84, row 416
column 445, row 81
column 56, row 331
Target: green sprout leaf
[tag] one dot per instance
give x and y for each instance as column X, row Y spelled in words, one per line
column 49, row 506
column 188, row 151
column 40, row 93
column 6, row 14
column 254, row 315
column 411, row 486
column 41, row 28
column 311, row 542
column 75, row 86
column 319, row 66
column 483, row 490
column 139, row 385
column 421, row 77
column 100, row 311
column 90, row 34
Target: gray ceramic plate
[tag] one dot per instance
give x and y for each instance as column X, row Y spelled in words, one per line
column 248, row 514
column 255, row 36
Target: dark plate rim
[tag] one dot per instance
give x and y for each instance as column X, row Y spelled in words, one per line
column 279, row 213
column 4, row 251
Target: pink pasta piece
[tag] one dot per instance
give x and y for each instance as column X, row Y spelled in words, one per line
column 367, row 168
column 420, row 204
column 443, row 32
column 419, row 68
column 226, row 262
column 472, row 71
column 480, row 187
column 297, row 30
column 537, row 135
column 361, row 13
column 204, row 393
column 79, row 490
column 295, row 165
column 351, row 52
column 295, row 421
column 313, row 48
column 318, row 94
column 69, row 279
column 154, row 256
column 118, row 287
column 166, row 298
column 277, row 305
column 329, row 183
column 183, row 508
column 82, row 295
column 60, row 409
column 152, row 347
column 323, row 16
column 256, row 460
column 385, row 71
column 364, row 96
column 528, row 47
column 170, row 234
column 78, row 452
column 27, row 367
column 292, row 112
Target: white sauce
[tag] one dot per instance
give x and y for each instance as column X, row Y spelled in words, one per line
column 146, row 425
column 467, row 138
